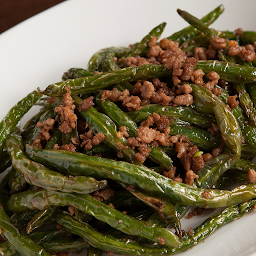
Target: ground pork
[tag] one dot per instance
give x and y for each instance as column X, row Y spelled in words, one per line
column 247, row 53
column 188, row 68
column 251, row 176
column 232, row 101
column 218, row 43
column 199, row 53
column 44, row 135
column 197, row 77
column 103, row 195
column 185, row 99
column 89, row 139
column 86, row 104
column 130, row 102
column 195, row 212
column 122, row 132
column 217, row 151
column 146, row 134
column 197, row 163
column 66, row 110
column 214, row 129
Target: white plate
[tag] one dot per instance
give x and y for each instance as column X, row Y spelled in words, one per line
column 36, row 52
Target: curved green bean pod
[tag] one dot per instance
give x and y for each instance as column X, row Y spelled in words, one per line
column 142, row 177
column 101, row 81
column 195, row 22
column 184, row 113
column 142, row 46
column 125, row 223
column 190, row 31
column 14, row 115
column 227, row 123
column 246, row 103
column 37, row 174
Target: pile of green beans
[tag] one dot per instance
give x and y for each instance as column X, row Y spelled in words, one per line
column 54, row 200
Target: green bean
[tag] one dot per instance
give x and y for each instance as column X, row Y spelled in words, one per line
column 164, row 208
column 96, row 59
column 213, row 169
column 17, row 182
column 248, row 151
column 248, row 130
column 99, row 149
column 184, row 113
column 199, row 41
column 108, row 63
column 124, row 199
column 54, row 241
column 117, row 115
column 246, row 103
column 56, row 138
column 37, row 174
column 14, row 115
column 142, row 47
column 101, row 81
column 4, row 183
column 91, row 251
column 227, row 123
column 229, row 71
column 202, row 138
column 65, row 245
column 40, row 218
column 252, row 92
column 198, row 24
column 73, row 73
column 24, row 245
column 190, row 32
column 229, row 178
column 5, row 161
column 100, row 211
column 20, row 220
column 244, row 165
column 142, row 177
